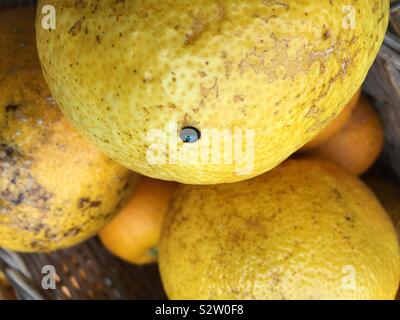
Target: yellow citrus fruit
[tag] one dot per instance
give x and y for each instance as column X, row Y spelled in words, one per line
column 134, row 233
column 358, row 144
column 305, row 230
column 56, row 189
column 133, row 75
column 335, row 125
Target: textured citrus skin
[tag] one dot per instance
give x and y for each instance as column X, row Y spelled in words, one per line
column 282, row 68
column 56, row 189
column 358, row 144
column 335, row 125
column 134, row 233
column 295, row 232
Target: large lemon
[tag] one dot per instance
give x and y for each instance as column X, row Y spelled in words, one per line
column 254, row 80
column 305, row 230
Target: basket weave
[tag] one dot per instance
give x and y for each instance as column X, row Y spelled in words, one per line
column 86, row 271
column 383, row 85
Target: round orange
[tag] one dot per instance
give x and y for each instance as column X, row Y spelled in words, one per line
column 358, row 144
column 6, row 291
column 335, row 125
column 134, row 233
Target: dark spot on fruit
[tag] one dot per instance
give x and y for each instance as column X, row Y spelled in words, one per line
column 76, row 28
column 86, row 203
column 20, row 185
column 12, row 108
column 349, row 217
column 18, row 200
column 72, row 232
column 38, row 227
column 38, row 245
column 337, row 193
column 95, row 204
column 326, row 35
column 6, row 152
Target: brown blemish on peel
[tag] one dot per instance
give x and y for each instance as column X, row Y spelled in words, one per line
column 21, row 187
column 86, row 203
column 256, row 60
column 198, row 26
column 238, row 98
column 214, row 89
column 12, row 108
column 77, row 27
column 278, row 3
column 201, row 22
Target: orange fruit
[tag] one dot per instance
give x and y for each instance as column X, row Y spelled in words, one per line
column 335, row 125
column 134, row 233
column 6, row 291
column 358, row 144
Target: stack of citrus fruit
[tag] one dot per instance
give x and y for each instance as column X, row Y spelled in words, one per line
column 213, row 98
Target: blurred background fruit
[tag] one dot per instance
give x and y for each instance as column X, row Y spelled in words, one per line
column 335, row 125
column 6, row 291
column 305, row 230
column 357, row 145
column 56, row 189
column 134, row 233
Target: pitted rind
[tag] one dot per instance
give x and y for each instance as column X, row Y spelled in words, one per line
column 282, row 68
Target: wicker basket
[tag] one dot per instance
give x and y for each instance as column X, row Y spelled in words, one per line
column 86, row 271
column 383, row 85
